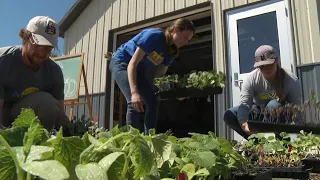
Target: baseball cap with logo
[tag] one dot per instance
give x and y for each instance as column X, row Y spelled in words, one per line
column 45, row 31
column 264, row 55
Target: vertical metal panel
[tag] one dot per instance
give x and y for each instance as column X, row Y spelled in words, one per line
column 168, row 6
column 115, row 14
column 159, row 7
column 99, row 47
column 179, row 4
column 141, row 9
column 240, row 2
column 124, row 12
column 190, row 2
column 201, row 1
column 73, row 38
column 150, row 7
column 107, row 27
column 85, row 40
column 306, row 31
column 132, row 11
column 92, row 45
column 309, row 76
column 65, row 42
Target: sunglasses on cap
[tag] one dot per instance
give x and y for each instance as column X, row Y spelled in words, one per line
column 265, row 56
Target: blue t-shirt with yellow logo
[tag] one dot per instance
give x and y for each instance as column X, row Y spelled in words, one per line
column 151, row 41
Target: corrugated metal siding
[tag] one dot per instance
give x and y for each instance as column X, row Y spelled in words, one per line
column 89, row 33
column 306, row 30
column 310, row 80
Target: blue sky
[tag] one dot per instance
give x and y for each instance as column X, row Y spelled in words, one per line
column 15, row 14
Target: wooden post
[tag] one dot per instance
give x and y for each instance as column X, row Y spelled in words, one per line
column 87, row 93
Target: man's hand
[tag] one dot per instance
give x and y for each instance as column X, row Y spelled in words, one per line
column 245, row 128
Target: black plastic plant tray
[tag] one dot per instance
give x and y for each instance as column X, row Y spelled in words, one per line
column 289, row 172
column 189, row 92
column 311, row 164
column 252, row 174
column 260, row 126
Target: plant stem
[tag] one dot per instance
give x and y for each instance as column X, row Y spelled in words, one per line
column 14, row 157
column 125, row 167
column 28, row 176
column 112, row 139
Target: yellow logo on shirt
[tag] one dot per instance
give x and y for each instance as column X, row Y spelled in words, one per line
column 267, row 96
column 29, row 90
column 155, row 58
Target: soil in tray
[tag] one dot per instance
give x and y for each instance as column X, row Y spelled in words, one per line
column 252, row 174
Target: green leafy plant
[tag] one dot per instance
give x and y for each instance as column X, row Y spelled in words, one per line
column 27, row 151
column 194, row 79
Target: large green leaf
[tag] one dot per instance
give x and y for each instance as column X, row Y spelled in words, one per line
column 39, row 153
column 25, row 118
column 91, row 171
column 14, row 136
column 35, row 135
column 141, row 157
column 113, row 164
column 205, row 159
column 162, row 148
column 189, row 170
column 48, row 169
column 67, row 149
column 7, row 166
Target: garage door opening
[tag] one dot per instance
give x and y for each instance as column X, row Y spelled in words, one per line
column 189, row 115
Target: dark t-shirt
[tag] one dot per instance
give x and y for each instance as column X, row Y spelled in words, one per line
column 17, row 81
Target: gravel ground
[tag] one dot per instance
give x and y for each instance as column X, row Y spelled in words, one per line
column 314, row 176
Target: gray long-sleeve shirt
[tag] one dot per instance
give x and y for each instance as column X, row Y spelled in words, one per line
column 257, row 90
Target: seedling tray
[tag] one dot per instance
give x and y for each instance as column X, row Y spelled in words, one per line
column 311, row 164
column 260, row 126
column 188, row 92
column 292, row 172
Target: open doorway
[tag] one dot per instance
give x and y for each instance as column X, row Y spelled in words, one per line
column 189, row 115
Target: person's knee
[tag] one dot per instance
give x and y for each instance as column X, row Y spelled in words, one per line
column 229, row 115
column 273, row 104
column 45, row 107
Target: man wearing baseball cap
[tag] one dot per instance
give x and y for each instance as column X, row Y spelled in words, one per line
column 268, row 86
column 30, row 79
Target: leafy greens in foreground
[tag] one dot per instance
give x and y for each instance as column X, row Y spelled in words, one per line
column 29, row 152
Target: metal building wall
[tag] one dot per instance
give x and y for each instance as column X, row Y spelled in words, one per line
column 306, row 26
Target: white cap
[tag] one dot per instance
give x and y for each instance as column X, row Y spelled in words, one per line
column 45, row 31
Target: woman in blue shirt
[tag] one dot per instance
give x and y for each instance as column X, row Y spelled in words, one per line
column 150, row 48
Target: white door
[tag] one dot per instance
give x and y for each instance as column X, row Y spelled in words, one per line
column 247, row 29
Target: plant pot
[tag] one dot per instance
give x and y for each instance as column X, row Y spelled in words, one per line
column 188, row 92
column 280, row 127
column 312, row 164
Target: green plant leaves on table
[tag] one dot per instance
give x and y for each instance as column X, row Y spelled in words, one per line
column 48, row 169
column 66, row 149
column 7, row 165
column 141, row 157
column 91, row 171
column 113, row 164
